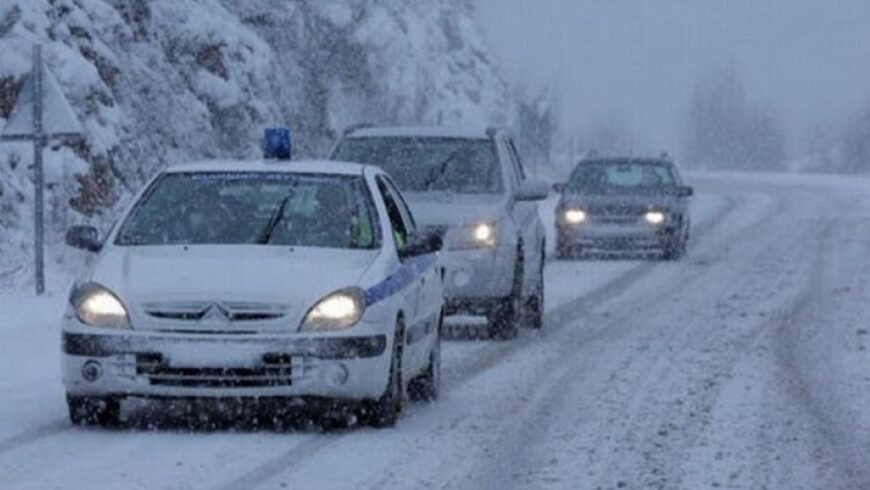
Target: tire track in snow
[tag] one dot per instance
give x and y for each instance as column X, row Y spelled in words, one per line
column 517, row 436
column 515, row 432
column 286, row 461
column 662, row 402
column 829, row 422
column 34, row 435
column 664, row 425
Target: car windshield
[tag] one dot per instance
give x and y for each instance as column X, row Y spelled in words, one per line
column 454, row 165
column 618, row 176
column 233, row 208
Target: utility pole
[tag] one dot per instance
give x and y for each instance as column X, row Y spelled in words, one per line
column 39, row 141
column 63, row 125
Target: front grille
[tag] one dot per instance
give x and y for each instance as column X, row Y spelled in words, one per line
column 275, row 371
column 613, row 210
column 205, row 310
column 615, row 220
column 616, row 215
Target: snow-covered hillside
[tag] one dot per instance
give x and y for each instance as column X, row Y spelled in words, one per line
column 162, row 80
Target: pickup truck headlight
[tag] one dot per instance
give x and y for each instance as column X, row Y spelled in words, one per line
column 654, row 217
column 574, row 216
column 337, row 311
column 475, row 235
column 96, row 306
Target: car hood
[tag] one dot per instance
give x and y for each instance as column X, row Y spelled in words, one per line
column 166, row 278
column 441, row 209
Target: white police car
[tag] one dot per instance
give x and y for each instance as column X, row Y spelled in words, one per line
column 302, row 281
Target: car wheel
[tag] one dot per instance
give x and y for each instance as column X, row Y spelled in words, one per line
column 536, row 301
column 673, row 249
column 384, row 412
column 564, row 251
column 105, row 411
column 427, row 386
column 502, row 322
column 684, row 247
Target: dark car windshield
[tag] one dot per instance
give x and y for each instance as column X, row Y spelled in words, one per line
column 623, row 175
column 227, row 208
column 455, row 165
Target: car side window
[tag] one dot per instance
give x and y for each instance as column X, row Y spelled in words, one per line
column 675, row 176
column 505, row 150
column 394, row 213
column 404, row 210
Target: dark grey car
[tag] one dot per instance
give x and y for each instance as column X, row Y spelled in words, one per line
column 623, row 204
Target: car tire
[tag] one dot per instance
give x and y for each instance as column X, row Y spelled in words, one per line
column 564, row 251
column 535, row 305
column 502, row 321
column 102, row 411
column 569, row 252
column 674, row 249
column 385, row 411
column 427, row 386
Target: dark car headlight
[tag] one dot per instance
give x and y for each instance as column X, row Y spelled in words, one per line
column 655, row 217
column 574, row 215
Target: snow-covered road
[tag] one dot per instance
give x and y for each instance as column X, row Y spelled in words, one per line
column 743, row 366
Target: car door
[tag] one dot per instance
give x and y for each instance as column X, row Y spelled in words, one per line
column 403, row 226
column 527, row 220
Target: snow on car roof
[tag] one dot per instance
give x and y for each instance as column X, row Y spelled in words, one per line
column 300, row 166
column 627, row 159
column 422, row 131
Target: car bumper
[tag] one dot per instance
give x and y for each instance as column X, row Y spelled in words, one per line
column 615, row 237
column 173, row 365
column 477, row 276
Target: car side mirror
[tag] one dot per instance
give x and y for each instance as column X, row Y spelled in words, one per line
column 560, row 187
column 685, row 191
column 532, row 190
column 84, row 238
column 421, row 242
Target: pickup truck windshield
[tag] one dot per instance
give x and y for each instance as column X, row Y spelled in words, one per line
column 417, row 164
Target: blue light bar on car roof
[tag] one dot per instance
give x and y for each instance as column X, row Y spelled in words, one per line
column 277, row 144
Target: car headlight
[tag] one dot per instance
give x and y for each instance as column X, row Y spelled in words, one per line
column 654, row 217
column 337, row 311
column 96, row 306
column 476, row 235
column 575, row 216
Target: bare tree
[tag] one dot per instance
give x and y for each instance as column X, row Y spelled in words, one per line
column 725, row 131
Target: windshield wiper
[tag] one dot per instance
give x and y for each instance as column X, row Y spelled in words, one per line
column 266, row 235
column 440, row 169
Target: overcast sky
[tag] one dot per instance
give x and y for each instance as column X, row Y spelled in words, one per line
column 637, row 60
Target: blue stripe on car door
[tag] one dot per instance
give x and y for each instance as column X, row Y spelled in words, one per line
column 404, row 276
